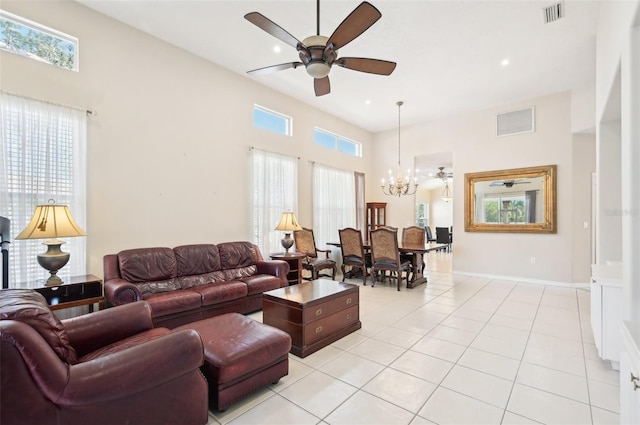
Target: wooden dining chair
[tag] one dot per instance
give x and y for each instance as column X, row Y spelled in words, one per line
column 385, row 255
column 306, row 244
column 412, row 235
column 353, row 254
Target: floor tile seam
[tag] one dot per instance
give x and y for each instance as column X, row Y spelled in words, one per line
column 586, row 371
column 398, row 406
column 555, row 394
column 513, row 384
column 373, row 395
column 292, row 402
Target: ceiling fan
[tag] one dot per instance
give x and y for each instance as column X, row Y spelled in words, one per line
column 442, row 175
column 318, row 53
column 507, row 183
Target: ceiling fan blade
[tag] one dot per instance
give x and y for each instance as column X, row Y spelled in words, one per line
column 355, row 24
column 321, row 86
column 372, row 66
column 274, row 68
column 272, row 28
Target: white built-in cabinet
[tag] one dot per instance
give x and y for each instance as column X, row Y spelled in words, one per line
column 629, row 375
column 606, row 311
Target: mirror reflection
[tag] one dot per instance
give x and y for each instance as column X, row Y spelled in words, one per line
column 507, row 201
column 513, row 200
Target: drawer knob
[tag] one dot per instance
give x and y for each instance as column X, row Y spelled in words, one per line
column 349, row 316
column 349, row 300
column 318, row 312
column 319, row 329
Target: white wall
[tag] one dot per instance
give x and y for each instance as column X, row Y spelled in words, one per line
column 169, row 149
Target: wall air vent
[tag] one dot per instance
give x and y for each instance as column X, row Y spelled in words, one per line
column 553, row 12
column 516, row 122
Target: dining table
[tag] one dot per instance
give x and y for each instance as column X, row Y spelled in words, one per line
column 418, row 251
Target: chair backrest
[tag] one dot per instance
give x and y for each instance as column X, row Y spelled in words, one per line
column 442, row 235
column 430, row 237
column 384, row 247
column 413, row 235
column 351, row 244
column 305, row 242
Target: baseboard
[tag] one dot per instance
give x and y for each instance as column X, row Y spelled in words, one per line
column 575, row 285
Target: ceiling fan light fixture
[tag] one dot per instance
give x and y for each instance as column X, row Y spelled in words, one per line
column 318, row 69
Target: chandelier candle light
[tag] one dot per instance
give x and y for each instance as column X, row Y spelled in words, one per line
column 288, row 223
column 400, row 185
column 51, row 222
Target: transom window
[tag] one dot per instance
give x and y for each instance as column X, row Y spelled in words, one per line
column 271, row 120
column 336, row 142
column 29, row 39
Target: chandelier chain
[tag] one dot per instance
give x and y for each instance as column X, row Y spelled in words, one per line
column 399, row 185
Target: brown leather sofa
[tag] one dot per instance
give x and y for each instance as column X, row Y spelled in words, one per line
column 192, row 282
column 108, row 367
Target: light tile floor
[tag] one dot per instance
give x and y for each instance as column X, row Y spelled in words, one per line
column 458, row 350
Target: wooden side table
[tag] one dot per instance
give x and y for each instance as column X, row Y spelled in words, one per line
column 76, row 291
column 294, row 259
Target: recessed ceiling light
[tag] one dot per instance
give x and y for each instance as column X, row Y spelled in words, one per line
column 367, row 102
column 505, row 62
column 276, row 49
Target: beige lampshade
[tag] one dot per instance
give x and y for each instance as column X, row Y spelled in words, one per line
column 51, row 221
column 288, row 222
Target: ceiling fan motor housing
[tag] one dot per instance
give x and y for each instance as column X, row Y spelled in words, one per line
column 315, row 55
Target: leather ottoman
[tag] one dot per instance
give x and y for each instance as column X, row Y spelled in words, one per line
column 241, row 356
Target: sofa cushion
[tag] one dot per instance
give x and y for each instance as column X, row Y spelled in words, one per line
column 123, row 344
column 29, row 307
column 197, row 264
column 237, row 259
column 173, row 302
column 152, row 270
column 261, row 283
column 215, row 293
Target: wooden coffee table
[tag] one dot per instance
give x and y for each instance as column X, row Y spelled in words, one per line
column 314, row 313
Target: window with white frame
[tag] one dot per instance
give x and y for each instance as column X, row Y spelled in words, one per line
column 334, row 203
column 274, row 191
column 272, row 120
column 42, row 157
column 32, row 40
column 333, row 141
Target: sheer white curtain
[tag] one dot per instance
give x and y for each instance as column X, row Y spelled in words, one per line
column 274, row 191
column 334, row 203
column 42, row 156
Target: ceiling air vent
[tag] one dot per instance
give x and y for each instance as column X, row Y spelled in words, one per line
column 515, row 122
column 553, row 12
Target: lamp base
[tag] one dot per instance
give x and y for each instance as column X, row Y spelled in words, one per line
column 53, row 260
column 287, row 242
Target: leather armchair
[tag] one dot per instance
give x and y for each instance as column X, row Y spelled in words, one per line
column 106, row 367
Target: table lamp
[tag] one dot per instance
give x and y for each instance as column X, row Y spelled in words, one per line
column 50, row 222
column 288, row 222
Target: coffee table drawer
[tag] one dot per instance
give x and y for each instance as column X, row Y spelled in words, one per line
column 320, row 329
column 327, row 308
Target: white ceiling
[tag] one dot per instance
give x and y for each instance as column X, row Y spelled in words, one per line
column 448, row 53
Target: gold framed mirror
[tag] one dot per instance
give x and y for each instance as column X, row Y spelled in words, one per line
column 517, row 200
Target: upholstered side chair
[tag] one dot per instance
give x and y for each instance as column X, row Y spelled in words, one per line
column 306, row 244
column 385, row 255
column 353, row 254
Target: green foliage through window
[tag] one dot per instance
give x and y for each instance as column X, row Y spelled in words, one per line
column 34, row 41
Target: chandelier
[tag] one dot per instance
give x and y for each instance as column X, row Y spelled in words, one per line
column 400, row 185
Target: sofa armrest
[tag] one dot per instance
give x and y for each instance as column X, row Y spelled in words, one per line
column 134, row 370
column 276, row 268
column 119, row 291
column 89, row 332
